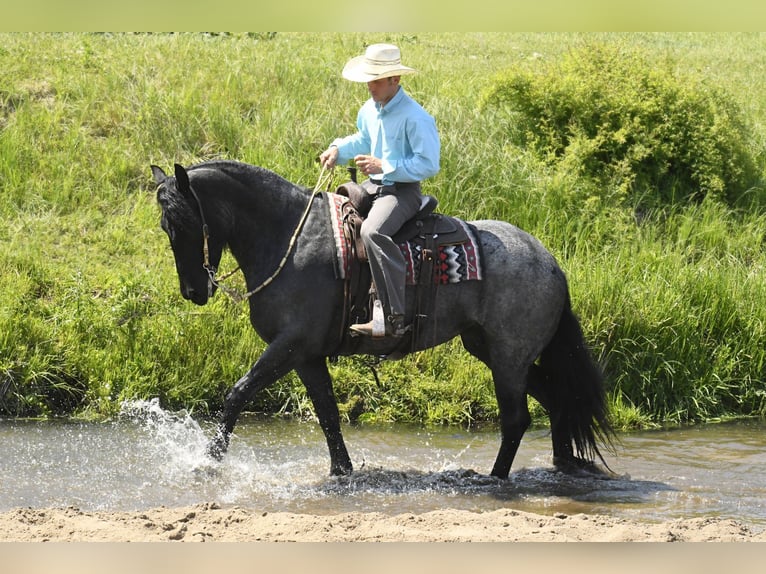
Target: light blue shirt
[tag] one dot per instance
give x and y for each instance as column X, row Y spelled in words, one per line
column 401, row 133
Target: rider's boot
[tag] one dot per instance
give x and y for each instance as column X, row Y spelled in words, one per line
column 394, row 327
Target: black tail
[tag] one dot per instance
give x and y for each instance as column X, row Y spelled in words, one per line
column 573, row 385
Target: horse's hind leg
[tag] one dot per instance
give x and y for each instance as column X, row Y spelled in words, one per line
column 316, row 378
column 510, row 390
column 571, row 384
column 539, row 387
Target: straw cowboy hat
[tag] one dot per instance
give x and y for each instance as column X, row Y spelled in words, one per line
column 379, row 61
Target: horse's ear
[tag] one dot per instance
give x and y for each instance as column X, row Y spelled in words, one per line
column 159, row 175
column 182, row 179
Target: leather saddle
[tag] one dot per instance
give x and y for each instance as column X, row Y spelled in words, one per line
column 427, row 229
column 441, row 229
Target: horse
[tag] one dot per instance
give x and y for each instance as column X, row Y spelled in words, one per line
column 517, row 320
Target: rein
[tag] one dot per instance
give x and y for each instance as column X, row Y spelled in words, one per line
column 325, row 178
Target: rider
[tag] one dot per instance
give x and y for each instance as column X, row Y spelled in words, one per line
column 396, row 146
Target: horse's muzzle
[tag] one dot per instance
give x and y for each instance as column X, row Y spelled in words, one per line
column 197, row 296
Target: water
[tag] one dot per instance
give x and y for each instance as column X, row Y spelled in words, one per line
column 149, row 457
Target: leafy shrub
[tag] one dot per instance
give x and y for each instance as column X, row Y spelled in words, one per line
column 630, row 123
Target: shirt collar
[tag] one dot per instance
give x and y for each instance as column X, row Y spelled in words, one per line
column 398, row 96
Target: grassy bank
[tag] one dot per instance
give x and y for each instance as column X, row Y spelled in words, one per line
column 673, row 302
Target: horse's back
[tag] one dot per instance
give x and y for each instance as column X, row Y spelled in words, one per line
column 507, row 248
column 522, row 279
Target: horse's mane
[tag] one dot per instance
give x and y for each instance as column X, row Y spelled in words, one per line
column 246, row 174
column 233, row 190
column 228, row 166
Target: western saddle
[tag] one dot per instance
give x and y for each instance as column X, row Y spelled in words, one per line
column 428, row 229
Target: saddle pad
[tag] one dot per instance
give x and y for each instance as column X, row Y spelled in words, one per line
column 454, row 263
column 342, row 244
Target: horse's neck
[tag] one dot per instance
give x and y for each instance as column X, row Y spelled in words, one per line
column 264, row 221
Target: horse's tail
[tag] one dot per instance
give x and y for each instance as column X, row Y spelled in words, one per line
column 576, row 396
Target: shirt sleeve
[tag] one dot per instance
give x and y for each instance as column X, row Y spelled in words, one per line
column 358, row 143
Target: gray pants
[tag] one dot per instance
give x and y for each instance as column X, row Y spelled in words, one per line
column 392, row 207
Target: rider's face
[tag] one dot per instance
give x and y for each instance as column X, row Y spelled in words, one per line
column 384, row 89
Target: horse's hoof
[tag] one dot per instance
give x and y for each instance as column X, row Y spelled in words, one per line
column 500, row 474
column 576, row 465
column 218, row 445
column 341, row 470
column 206, row 471
column 215, row 451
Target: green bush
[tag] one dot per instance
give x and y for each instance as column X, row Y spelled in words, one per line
column 641, row 130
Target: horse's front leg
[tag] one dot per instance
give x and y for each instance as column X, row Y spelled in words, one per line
column 273, row 364
column 316, row 378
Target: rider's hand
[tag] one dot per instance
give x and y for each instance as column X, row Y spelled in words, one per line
column 368, row 165
column 328, row 157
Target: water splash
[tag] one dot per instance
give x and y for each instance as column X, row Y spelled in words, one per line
column 177, row 443
column 175, row 440
column 288, row 471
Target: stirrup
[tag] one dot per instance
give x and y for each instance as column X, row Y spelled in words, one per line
column 395, row 328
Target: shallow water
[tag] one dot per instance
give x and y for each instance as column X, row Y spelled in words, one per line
column 149, row 457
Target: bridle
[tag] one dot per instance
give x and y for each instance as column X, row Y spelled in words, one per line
column 325, row 179
column 209, row 269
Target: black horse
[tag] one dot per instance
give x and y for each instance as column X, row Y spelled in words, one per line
column 517, row 319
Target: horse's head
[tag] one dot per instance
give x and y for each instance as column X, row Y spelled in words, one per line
column 183, row 219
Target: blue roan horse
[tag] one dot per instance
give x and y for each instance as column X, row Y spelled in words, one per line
column 517, row 319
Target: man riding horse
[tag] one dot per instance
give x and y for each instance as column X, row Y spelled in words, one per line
column 396, row 147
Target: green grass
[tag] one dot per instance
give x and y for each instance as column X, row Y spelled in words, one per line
column 673, row 302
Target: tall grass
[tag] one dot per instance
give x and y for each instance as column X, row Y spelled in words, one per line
column 673, row 303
